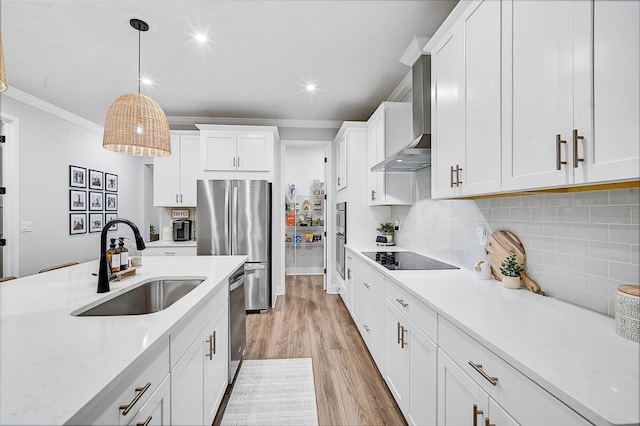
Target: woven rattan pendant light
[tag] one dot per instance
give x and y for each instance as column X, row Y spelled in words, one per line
column 135, row 123
column 3, row 69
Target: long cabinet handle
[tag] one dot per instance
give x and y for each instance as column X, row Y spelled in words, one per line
column 475, row 414
column 576, row 138
column 373, row 195
column 403, row 342
column 478, row 368
column 559, row 162
column 458, row 170
column 139, row 393
column 451, row 176
column 146, row 422
column 212, row 345
column 234, row 161
column 399, row 332
column 402, row 302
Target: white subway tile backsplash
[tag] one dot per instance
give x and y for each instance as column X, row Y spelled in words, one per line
column 580, row 246
column 557, row 229
column 624, row 272
column 610, row 251
column 590, row 266
column 545, row 214
column 590, row 231
column 573, row 246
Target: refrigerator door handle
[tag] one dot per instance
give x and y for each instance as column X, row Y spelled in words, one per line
column 252, row 267
column 227, row 219
column 234, row 221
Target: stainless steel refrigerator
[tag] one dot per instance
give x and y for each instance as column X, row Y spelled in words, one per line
column 234, row 217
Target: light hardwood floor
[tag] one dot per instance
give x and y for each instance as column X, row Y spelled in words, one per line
column 307, row 322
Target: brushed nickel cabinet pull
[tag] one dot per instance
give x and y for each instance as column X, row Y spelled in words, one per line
column 403, row 343
column 402, row 302
column 348, row 274
column 366, row 327
column 373, row 194
column 338, row 180
column 238, row 161
column 234, row 161
column 146, row 422
column 399, row 327
column 451, row 176
column 181, row 198
column 576, row 138
column 458, row 170
column 478, row 368
column 139, row 393
column 212, row 345
column 559, row 162
column 176, row 198
column 366, row 285
column 475, row 414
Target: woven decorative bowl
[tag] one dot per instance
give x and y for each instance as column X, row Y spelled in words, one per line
column 628, row 312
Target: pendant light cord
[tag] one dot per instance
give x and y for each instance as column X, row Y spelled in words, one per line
column 139, row 61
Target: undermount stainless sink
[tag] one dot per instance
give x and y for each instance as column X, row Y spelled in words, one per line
column 146, row 298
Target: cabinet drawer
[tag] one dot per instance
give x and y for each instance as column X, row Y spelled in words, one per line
column 136, row 386
column 169, row 251
column 192, row 324
column 425, row 318
column 524, row 399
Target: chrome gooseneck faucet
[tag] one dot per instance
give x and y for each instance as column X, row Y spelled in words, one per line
column 103, row 274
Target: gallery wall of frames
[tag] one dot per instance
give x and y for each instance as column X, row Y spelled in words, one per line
column 93, row 200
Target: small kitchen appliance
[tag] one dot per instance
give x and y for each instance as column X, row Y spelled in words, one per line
column 182, row 230
column 406, row 260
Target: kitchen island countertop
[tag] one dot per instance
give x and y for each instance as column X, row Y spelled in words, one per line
column 53, row 363
column 572, row 352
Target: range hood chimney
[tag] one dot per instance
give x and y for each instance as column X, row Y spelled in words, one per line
column 417, row 154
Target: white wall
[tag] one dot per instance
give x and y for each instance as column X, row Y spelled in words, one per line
column 48, row 144
column 580, row 246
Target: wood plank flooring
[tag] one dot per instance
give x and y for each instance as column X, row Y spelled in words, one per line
column 307, row 322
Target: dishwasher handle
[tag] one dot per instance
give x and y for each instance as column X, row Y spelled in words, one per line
column 236, row 283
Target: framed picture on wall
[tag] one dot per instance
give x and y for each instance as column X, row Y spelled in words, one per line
column 77, row 223
column 95, row 180
column 108, row 217
column 110, row 182
column 77, row 200
column 96, row 200
column 77, row 177
column 111, row 202
column 95, row 222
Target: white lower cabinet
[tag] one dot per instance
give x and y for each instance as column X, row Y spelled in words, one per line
column 410, row 358
column 157, row 410
column 462, row 402
column 469, row 373
column 200, row 377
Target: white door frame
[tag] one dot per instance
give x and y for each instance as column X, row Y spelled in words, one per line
column 328, row 183
column 11, row 200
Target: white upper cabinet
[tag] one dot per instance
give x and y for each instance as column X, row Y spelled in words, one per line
column 466, row 136
column 389, row 127
column 237, row 152
column 341, row 163
column 175, row 176
column 570, row 93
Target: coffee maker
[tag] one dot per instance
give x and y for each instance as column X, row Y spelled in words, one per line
column 182, row 230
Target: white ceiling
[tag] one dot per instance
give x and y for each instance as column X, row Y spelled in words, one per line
column 81, row 55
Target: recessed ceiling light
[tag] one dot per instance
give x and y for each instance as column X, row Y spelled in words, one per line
column 311, row 87
column 201, row 37
column 399, row 160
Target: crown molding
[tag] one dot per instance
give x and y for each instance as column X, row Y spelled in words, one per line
column 236, row 121
column 45, row 106
column 401, row 90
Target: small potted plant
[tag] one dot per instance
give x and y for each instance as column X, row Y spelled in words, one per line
column 387, row 230
column 511, row 271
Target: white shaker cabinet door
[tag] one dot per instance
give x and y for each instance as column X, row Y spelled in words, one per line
column 189, row 168
column 537, row 93
column 219, row 151
column 611, row 144
column 253, row 152
column 166, row 176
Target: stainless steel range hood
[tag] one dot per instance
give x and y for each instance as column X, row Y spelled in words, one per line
column 417, row 154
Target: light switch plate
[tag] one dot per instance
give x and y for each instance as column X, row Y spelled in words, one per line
column 25, row 226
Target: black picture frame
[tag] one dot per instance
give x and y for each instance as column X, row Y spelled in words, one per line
column 96, row 201
column 77, row 223
column 77, row 177
column 96, row 179
column 111, row 202
column 96, row 222
column 109, row 217
column 110, row 182
column 77, row 200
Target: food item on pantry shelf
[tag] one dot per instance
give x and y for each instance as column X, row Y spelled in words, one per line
column 305, row 205
column 298, row 239
column 308, row 238
column 291, row 219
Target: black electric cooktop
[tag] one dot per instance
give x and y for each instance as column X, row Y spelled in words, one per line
column 406, row 260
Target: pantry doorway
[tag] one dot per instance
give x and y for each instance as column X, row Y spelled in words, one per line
column 305, row 208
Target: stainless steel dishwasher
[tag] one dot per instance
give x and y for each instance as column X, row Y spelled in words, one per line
column 237, row 321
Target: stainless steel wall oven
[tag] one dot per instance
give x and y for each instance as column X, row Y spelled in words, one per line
column 341, row 236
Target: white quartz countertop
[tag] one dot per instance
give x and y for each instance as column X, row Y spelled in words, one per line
column 53, row 363
column 171, row 243
column 572, row 352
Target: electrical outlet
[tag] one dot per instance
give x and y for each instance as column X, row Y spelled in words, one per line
column 482, row 240
column 480, row 231
column 25, row 226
